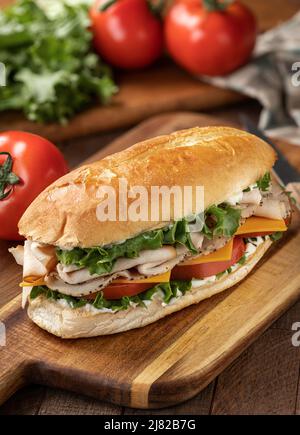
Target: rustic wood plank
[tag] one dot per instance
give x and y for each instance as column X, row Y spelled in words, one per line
column 59, row 402
column 270, row 13
column 27, row 401
column 9, row 275
column 263, row 380
column 290, row 151
column 291, row 316
column 77, row 150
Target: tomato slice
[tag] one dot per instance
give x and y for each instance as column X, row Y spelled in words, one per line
column 117, row 291
column 185, row 273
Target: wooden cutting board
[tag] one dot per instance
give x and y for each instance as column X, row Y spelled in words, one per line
column 161, row 88
column 164, row 363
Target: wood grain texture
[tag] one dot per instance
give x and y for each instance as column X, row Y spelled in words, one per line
column 161, row 88
column 164, row 363
column 27, row 401
column 63, row 403
column 199, row 405
column 285, row 322
column 272, row 389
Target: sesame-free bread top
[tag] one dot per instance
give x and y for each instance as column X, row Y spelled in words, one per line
column 223, row 160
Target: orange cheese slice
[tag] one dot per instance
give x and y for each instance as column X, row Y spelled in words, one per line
column 261, row 225
column 165, row 277
column 31, row 281
column 223, row 254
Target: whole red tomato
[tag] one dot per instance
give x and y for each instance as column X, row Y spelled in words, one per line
column 126, row 32
column 208, row 37
column 28, row 164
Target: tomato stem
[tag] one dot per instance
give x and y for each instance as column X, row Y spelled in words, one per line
column 106, row 5
column 7, row 177
column 156, row 7
column 216, row 5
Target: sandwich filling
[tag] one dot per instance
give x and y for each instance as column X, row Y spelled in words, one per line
column 165, row 262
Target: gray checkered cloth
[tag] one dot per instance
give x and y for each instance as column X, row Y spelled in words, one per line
column 273, row 78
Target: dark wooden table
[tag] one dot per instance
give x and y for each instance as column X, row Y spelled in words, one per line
column 263, row 380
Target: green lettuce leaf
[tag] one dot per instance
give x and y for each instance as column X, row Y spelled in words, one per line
column 276, row 236
column 51, row 70
column 169, row 290
column 179, row 233
column 264, row 182
column 221, row 220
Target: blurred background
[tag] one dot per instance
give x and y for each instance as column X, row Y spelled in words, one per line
column 77, row 68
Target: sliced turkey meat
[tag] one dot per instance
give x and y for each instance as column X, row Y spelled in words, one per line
column 213, row 245
column 37, row 259
column 18, row 254
column 197, row 239
column 160, row 255
column 148, row 263
column 271, row 208
column 247, row 210
column 151, row 269
column 71, row 275
column 252, row 197
column 272, row 205
column 54, row 282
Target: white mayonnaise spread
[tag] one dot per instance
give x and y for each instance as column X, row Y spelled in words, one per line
column 235, row 199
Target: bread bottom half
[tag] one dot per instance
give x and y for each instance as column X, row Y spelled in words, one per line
column 66, row 322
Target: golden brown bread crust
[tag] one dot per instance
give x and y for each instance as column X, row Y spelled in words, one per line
column 66, row 322
column 222, row 159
